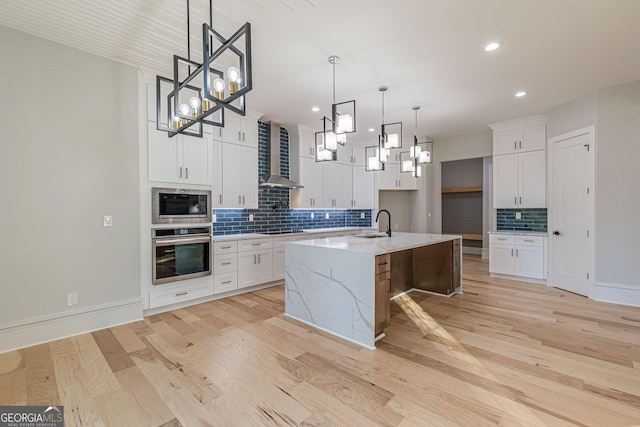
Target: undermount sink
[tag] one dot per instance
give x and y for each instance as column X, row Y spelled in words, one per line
column 372, row 236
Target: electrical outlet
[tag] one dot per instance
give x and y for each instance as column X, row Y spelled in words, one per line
column 250, row 217
column 518, row 215
column 361, row 215
column 312, row 215
column 214, row 218
column 72, row 298
column 326, row 215
column 108, row 221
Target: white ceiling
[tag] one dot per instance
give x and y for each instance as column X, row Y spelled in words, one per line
column 428, row 52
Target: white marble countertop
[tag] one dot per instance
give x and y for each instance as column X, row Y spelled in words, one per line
column 310, row 232
column 382, row 245
column 520, row 232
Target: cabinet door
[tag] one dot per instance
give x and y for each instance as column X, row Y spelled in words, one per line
column 408, row 181
column 250, row 132
column 216, row 165
column 232, row 129
column 307, row 145
column 358, row 156
column 163, row 156
column 331, row 184
column 231, row 169
column 217, row 133
column 196, row 159
column 505, row 142
column 532, row 138
column 311, row 178
column 388, row 178
column 248, row 173
column 382, row 302
column 264, row 273
column 529, row 262
column 363, row 188
column 501, row 259
column 505, row 181
column 278, row 263
column 532, row 179
column 247, row 269
column 347, row 187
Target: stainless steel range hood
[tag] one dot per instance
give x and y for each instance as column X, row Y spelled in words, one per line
column 276, row 180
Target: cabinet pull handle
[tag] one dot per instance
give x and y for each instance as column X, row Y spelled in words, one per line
column 515, row 145
column 527, row 240
column 225, row 247
column 511, row 252
column 521, row 145
column 258, row 258
column 515, row 200
column 243, row 200
column 227, row 282
column 516, row 252
column 180, row 172
column 186, row 172
column 310, row 201
column 255, row 244
column 226, row 263
column 520, row 199
column 243, row 136
column 220, row 198
column 179, row 294
column 254, row 257
column 500, row 238
column 238, row 135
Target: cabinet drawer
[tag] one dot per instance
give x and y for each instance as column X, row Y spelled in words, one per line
column 225, row 247
column 225, row 263
column 529, row 240
column 504, row 239
column 252, row 244
column 225, row 282
column 383, row 263
column 159, row 299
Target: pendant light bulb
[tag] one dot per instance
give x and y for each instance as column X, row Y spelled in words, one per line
column 206, row 102
column 218, row 88
column 234, row 79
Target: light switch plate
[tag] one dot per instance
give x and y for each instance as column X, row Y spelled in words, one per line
column 326, row 215
column 214, row 218
column 250, row 217
column 108, row 221
column 518, row 215
column 361, row 215
column 312, row 215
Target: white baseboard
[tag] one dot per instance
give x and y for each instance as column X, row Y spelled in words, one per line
column 42, row 329
column 485, row 253
column 519, row 278
column 617, row 293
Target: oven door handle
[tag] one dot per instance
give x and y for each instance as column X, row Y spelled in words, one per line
column 181, row 241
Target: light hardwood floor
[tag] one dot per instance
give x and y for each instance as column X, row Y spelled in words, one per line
column 504, row 353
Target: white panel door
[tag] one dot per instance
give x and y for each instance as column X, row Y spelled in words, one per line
column 247, row 268
column 250, row 132
column 505, row 142
column 307, row 145
column 331, row 184
column 163, row 155
column 196, row 158
column 505, row 181
column 363, row 188
column 311, row 178
column 278, row 263
column 408, row 181
column 532, row 179
column 572, row 214
column 216, row 165
column 532, row 138
column 231, row 179
column 232, row 129
column 249, row 177
column 501, row 259
column 347, row 187
column 264, row 273
column 529, row 262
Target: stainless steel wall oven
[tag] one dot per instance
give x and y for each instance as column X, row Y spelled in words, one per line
column 181, row 253
column 176, row 205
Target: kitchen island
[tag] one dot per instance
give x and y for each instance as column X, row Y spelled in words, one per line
column 343, row 285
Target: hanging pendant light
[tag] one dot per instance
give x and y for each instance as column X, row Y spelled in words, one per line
column 343, row 114
column 391, row 132
column 419, row 153
column 205, row 92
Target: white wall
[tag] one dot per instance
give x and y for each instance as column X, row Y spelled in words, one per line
column 401, row 205
column 68, row 156
column 573, row 115
column 618, row 185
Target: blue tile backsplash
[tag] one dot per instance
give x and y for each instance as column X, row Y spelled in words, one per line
column 531, row 220
column 273, row 211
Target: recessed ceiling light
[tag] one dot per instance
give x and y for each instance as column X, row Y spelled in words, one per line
column 491, row 47
column 372, row 130
column 315, row 109
column 520, row 94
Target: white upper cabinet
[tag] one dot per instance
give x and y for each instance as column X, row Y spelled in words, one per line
column 392, row 179
column 519, row 163
column 347, row 187
column 307, row 145
column 518, row 136
column 240, row 130
column 332, row 185
column 310, row 176
column 181, row 159
column 240, row 176
column 216, row 159
column 363, row 188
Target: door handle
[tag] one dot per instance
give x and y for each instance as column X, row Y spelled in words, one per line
column 180, row 172
column 511, row 252
column 556, row 233
column 521, row 145
column 186, row 173
column 258, row 258
column 239, row 200
column 515, row 200
column 239, row 136
column 243, row 200
column 254, row 259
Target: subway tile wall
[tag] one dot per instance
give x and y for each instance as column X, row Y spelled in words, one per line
column 531, row 220
column 273, row 213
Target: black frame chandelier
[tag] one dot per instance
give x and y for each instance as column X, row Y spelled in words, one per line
column 419, row 153
column 390, row 137
column 200, row 93
column 335, row 129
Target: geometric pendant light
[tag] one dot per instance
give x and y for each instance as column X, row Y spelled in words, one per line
column 419, row 153
column 199, row 93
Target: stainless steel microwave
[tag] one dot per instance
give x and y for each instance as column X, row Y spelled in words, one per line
column 177, row 205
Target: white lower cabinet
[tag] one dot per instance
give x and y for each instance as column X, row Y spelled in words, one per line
column 517, row 255
column 180, row 293
column 255, row 267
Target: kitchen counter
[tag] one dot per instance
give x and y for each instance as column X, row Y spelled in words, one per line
column 305, row 232
column 332, row 283
column 520, row 232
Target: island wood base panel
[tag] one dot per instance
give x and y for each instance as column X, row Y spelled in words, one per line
column 504, row 353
